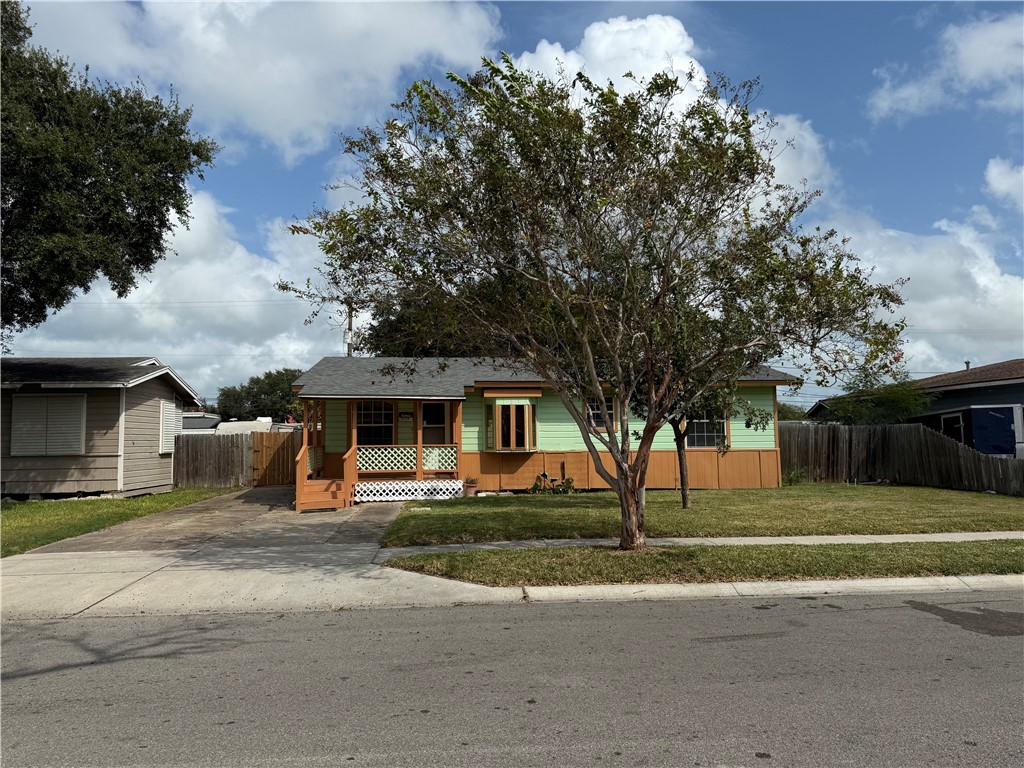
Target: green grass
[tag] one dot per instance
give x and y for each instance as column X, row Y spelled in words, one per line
column 808, row 509
column 25, row 525
column 704, row 564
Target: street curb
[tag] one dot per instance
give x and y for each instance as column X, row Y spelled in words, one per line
column 630, row 592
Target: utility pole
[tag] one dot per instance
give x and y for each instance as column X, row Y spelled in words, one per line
column 349, row 337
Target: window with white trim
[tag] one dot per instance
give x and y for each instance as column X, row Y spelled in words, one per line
column 170, row 424
column 594, row 418
column 706, row 431
column 47, row 425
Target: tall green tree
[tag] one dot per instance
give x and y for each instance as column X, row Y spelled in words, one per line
column 93, row 177
column 589, row 231
column 875, row 399
column 269, row 394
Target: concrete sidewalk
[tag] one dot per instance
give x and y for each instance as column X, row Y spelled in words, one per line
column 345, row 575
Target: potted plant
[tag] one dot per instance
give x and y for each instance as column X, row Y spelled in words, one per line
column 469, row 486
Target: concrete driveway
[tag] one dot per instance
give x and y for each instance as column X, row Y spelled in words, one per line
column 254, row 518
column 242, row 552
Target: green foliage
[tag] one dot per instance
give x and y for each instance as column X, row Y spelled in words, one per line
column 872, row 399
column 808, row 509
column 558, row 566
column 794, row 476
column 789, row 412
column 552, row 485
column 94, row 177
column 267, row 395
column 628, row 240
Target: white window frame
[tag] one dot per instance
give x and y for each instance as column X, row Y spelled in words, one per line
column 705, row 433
column 19, row 449
column 594, row 418
column 177, row 411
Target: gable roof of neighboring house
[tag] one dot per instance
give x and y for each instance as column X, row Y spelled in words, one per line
column 446, row 379
column 88, row 373
column 1006, row 372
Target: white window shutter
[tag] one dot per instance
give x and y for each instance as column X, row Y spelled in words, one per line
column 28, row 426
column 65, row 425
column 170, row 424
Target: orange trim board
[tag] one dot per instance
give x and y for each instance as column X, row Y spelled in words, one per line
column 517, row 470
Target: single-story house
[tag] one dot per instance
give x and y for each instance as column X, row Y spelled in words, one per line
column 89, row 425
column 981, row 407
column 369, row 435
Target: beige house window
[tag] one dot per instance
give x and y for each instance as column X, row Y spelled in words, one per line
column 47, row 425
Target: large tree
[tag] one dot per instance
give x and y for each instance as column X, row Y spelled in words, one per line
column 591, row 231
column 93, row 177
column 269, row 394
column 873, row 399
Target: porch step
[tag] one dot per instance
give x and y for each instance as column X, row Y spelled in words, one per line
column 323, row 494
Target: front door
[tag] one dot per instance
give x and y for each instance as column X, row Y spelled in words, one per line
column 435, row 423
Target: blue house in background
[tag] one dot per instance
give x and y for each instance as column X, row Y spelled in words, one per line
column 979, row 407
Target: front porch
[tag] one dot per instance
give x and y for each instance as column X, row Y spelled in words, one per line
column 378, row 450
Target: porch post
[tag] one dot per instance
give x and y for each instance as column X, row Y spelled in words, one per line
column 417, row 415
column 305, row 423
column 457, row 435
column 352, row 435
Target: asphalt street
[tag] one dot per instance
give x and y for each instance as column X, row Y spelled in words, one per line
column 855, row 680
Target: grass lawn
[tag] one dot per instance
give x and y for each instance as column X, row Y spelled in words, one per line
column 806, row 509
column 702, row 564
column 25, row 525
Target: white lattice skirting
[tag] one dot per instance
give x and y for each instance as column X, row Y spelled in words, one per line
column 408, row 490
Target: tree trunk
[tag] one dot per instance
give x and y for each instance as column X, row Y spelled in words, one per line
column 684, row 472
column 631, row 503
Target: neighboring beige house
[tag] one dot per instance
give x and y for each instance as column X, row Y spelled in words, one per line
column 89, row 425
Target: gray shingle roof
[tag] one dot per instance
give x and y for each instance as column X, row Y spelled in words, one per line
column 369, row 377
column 86, row 372
column 389, row 377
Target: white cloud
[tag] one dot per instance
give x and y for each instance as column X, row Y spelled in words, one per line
column 805, row 156
column 287, row 74
column 611, row 48
column 210, row 311
column 1005, row 181
column 961, row 304
column 980, row 63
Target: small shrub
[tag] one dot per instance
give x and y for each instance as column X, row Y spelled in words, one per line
column 546, row 484
column 794, row 476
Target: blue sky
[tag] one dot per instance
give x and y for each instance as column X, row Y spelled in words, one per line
column 907, row 115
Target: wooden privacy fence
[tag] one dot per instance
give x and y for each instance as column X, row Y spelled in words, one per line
column 220, row 461
column 909, row 454
column 273, row 457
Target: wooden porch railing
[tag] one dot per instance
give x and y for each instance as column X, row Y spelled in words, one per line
column 407, row 458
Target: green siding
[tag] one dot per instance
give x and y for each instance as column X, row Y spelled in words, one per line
column 740, row 436
column 556, row 431
column 473, row 423
column 336, row 439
